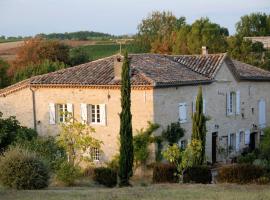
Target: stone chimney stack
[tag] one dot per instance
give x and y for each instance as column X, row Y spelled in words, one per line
column 204, row 50
column 118, row 63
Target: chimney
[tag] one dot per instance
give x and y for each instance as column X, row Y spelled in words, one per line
column 204, row 50
column 118, row 62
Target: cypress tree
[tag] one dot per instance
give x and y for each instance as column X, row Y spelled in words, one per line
column 199, row 124
column 126, row 140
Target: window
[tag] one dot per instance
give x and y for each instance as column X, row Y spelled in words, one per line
column 183, row 144
column 95, row 154
column 62, row 112
column 182, row 112
column 232, row 141
column 95, row 114
column 232, row 102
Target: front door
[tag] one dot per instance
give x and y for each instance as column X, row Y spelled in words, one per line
column 214, row 147
column 252, row 143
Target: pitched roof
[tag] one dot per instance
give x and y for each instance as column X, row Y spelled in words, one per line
column 206, row 65
column 153, row 70
column 249, row 72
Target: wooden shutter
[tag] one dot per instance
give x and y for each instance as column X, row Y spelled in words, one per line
column 237, row 141
column 238, row 103
column 247, row 136
column 204, row 106
column 103, row 114
column 84, row 113
column 52, row 113
column 262, row 113
column 182, row 112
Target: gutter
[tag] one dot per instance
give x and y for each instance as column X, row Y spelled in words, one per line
column 34, row 107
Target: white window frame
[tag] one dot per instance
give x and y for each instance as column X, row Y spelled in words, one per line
column 95, row 154
column 232, row 141
column 62, row 112
column 95, row 116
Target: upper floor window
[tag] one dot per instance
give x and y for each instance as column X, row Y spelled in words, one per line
column 233, row 103
column 182, row 112
column 94, row 114
column 59, row 113
column 62, row 112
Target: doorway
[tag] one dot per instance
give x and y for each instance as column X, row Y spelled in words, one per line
column 214, row 147
column 252, row 143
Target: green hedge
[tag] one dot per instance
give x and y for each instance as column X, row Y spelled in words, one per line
column 105, row 176
column 164, row 173
column 240, row 173
column 197, row 174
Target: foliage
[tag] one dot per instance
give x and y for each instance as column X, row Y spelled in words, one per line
column 240, row 173
column 4, row 79
column 199, row 126
column 173, row 133
column 114, row 163
column 88, row 171
column 78, row 56
column 191, row 156
column 32, row 69
column 159, row 140
column 67, row 173
column 105, row 176
column 152, row 29
column 205, row 33
column 141, row 143
column 255, row 24
column 197, row 174
column 265, row 144
column 48, row 149
column 79, row 35
column 173, row 154
column 164, row 173
column 263, row 180
column 247, row 159
column 76, row 138
column 11, row 132
column 126, row 138
column 34, row 51
column 21, row 169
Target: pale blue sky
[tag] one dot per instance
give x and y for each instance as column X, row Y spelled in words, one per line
column 29, row 17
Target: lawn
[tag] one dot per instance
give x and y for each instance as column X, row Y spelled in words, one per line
column 153, row 192
column 103, row 50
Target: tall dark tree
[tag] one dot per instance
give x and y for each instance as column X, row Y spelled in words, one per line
column 126, row 138
column 199, row 124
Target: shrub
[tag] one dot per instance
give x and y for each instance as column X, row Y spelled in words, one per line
column 165, row 173
column 263, row 180
column 197, row 174
column 88, row 171
column 247, row 159
column 105, row 176
column 11, row 132
column 48, row 149
column 265, row 144
column 173, row 133
column 21, row 169
column 239, row 173
column 114, row 163
column 67, row 173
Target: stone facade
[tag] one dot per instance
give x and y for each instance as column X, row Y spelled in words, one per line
column 155, row 104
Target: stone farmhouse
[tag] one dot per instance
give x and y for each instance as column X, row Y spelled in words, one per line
column 164, row 89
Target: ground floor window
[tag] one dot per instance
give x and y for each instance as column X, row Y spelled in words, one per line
column 232, row 142
column 95, row 154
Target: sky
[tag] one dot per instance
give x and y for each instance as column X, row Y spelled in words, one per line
column 30, row 17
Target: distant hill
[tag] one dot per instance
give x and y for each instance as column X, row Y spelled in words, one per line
column 79, row 35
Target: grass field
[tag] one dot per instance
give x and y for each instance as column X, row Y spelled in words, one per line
column 151, row 192
column 103, row 50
